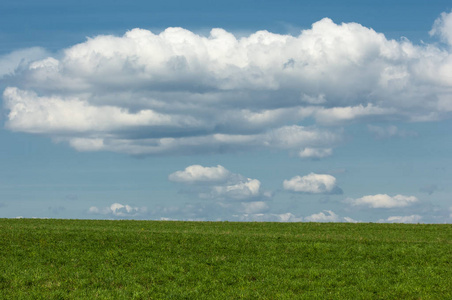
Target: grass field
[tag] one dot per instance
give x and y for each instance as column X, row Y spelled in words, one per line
column 74, row 259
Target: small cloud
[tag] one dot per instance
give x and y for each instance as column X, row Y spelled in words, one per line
column 401, row 219
column 285, row 217
column 313, row 184
column 196, row 174
column 350, row 220
column 315, row 153
column 429, row 189
column 383, row 201
column 118, row 210
column 325, row 216
column 219, row 183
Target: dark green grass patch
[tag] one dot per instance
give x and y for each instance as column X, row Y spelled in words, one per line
column 80, row 259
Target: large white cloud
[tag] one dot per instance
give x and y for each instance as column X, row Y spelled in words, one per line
column 180, row 92
column 383, row 201
column 313, row 184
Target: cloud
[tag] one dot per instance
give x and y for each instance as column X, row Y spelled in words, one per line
column 313, row 184
column 401, row 219
column 383, row 201
column 389, row 132
column 177, row 92
column 326, row 216
column 315, row 152
column 443, row 28
column 118, row 210
column 254, row 207
column 14, row 61
column 220, row 184
column 350, row 220
column 199, row 174
column 268, row 217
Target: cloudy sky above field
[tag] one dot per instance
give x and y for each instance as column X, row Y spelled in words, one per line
column 229, row 110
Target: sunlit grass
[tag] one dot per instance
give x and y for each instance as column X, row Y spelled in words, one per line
column 67, row 259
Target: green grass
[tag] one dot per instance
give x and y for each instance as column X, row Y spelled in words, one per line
column 80, row 259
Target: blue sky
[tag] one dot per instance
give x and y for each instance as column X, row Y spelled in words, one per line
column 237, row 110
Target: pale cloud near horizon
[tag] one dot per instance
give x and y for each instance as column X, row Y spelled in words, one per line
column 402, row 219
column 118, row 210
column 178, row 92
column 383, row 201
column 325, row 216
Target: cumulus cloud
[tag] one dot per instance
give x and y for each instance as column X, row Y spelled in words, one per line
column 401, row 219
column 118, row 210
column 200, row 174
column 15, row 61
column 313, row 184
column 177, row 92
column 443, row 28
column 220, row 184
column 383, row 201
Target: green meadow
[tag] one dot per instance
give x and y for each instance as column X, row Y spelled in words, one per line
column 93, row 259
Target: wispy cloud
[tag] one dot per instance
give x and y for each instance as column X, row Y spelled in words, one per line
column 402, row 219
column 383, row 201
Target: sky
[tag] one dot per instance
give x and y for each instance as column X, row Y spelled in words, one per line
column 285, row 111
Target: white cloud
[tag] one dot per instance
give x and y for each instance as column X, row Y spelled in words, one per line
column 326, row 216
column 178, row 92
column 200, row 174
column 315, row 152
column 220, row 184
column 313, row 184
column 401, row 219
column 242, row 190
column 13, row 61
column 383, row 201
column 118, row 210
column 443, row 27
column 269, row 217
column 350, row 220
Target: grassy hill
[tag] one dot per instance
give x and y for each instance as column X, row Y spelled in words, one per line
column 87, row 259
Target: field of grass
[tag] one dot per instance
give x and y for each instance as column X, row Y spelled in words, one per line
column 73, row 259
